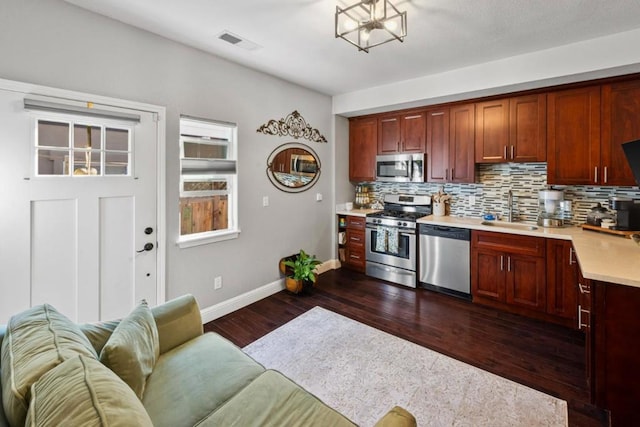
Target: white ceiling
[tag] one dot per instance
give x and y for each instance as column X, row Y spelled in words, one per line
column 298, row 43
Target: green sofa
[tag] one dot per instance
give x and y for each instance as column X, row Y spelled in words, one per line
column 196, row 379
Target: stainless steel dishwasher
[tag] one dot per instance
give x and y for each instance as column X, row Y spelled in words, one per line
column 445, row 259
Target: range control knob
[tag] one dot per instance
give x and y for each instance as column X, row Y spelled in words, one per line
column 404, row 224
column 399, row 223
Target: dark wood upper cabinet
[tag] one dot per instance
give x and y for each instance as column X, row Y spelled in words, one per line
column 620, row 124
column 462, row 143
column 450, row 144
column 492, row 131
column 528, row 128
column 511, row 130
column 402, row 133
column 438, row 145
column 389, row 134
column 363, row 139
column 573, row 136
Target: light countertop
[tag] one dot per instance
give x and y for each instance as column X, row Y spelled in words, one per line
column 603, row 257
column 357, row 212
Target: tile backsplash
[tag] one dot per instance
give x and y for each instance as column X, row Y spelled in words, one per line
column 524, row 179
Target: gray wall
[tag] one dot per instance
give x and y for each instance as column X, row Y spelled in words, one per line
column 52, row 43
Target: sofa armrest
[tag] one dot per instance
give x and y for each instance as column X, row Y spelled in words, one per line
column 178, row 321
column 397, row 417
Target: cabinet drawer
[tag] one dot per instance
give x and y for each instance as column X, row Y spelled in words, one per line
column 511, row 243
column 355, row 239
column 356, row 222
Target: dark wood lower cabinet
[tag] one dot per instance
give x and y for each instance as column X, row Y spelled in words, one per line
column 616, row 351
column 508, row 271
column 355, row 243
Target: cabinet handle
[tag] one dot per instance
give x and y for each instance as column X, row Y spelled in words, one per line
column 580, row 311
column 584, row 289
column 508, row 263
column 446, row 174
column 354, row 256
column 513, row 152
column 579, row 317
column 501, row 263
column 605, row 175
column 453, row 172
column 571, row 262
column 355, row 239
column 505, row 152
column 596, row 175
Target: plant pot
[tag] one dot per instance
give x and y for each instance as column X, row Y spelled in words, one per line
column 283, row 268
column 293, row 285
column 297, row 286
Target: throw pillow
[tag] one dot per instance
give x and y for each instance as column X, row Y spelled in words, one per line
column 133, row 348
column 36, row 340
column 83, row 392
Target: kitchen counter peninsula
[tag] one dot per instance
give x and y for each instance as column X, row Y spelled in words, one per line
column 602, row 257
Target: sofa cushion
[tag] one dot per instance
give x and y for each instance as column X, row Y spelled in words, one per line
column 274, row 400
column 133, row 349
column 83, row 392
column 192, row 380
column 36, row 341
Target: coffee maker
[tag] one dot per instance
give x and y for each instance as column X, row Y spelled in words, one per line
column 627, row 213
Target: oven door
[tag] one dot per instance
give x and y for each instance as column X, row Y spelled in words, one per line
column 379, row 250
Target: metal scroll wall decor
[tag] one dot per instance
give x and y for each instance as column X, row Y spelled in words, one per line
column 293, row 125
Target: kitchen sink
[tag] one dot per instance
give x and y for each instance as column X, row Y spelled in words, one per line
column 513, row 225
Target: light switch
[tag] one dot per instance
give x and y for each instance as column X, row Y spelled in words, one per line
column 318, row 197
column 265, row 201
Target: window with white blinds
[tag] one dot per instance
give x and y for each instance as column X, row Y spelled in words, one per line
column 208, row 181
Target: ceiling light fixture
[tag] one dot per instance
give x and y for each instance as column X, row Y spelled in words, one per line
column 370, row 23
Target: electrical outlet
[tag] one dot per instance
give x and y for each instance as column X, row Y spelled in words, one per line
column 265, row 201
column 217, row 283
column 318, row 197
column 472, row 200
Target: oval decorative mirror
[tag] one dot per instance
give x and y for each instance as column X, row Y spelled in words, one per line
column 293, row 167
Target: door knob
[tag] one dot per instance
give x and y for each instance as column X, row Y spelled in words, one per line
column 147, row 247
column 148, row 230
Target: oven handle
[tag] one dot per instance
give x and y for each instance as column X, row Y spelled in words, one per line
column 403, row 231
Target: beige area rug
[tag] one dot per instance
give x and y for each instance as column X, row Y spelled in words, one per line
column 363, row 372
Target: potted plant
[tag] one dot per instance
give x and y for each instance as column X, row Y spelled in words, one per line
column 300, row 272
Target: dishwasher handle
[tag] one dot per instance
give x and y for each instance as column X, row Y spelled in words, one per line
column 445, row 231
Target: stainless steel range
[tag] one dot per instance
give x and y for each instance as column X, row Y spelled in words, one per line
column 391, row 238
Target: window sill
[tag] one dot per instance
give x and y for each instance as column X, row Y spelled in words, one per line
column 205, row 239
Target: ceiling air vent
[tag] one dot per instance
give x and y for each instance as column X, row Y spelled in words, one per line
column 236, row 40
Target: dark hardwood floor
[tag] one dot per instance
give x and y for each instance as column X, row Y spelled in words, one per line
column 543, row 356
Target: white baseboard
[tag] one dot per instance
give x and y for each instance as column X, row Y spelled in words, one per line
column 211, row 313
column 225, row 307
column 331, row 264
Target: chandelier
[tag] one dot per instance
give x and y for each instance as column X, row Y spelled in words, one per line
column 370, row 23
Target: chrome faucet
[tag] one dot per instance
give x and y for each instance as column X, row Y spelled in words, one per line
column 510, row 205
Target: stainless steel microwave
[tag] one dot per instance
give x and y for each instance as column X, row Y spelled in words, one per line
column 400, row 168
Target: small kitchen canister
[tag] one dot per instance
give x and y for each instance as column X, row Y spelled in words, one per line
column 439, row 209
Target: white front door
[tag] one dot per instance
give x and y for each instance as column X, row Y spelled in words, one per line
column 74, row 226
